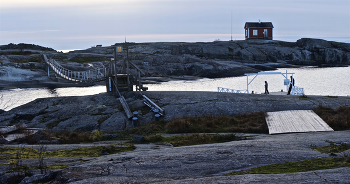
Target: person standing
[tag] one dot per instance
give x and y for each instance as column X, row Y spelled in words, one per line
column 291, row 85
column 266, row 88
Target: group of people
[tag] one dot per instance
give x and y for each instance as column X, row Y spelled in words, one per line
column 291, row 84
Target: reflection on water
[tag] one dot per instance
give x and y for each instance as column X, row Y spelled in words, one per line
column 315, row 81
column 16, row 97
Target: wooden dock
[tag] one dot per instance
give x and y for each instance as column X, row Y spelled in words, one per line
column 295, row 121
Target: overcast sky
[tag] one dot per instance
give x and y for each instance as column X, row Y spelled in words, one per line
column 80, row 24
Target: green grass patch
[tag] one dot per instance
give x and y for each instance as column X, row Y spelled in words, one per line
column 193, row 139
column 338, row 119
column 88, row 59
column 333, row 147
column 52, row 167
column 12, row 154
column 299, row 166
column 88, row 152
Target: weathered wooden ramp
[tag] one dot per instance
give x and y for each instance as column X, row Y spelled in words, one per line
column 295, row 121
column 125, row 106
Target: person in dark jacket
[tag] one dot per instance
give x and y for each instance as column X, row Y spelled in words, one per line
column 266, row 88
column 292, row 82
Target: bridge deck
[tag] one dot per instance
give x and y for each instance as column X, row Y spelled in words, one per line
column 295, row 121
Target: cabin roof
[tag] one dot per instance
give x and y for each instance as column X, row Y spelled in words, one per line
column 258, row 25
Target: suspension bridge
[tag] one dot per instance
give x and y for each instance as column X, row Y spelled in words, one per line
column 115, row 81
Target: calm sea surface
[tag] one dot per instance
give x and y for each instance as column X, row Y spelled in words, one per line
column 315, row 81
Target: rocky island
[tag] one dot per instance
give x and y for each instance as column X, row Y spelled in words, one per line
column 161, row 162
column 166, row 61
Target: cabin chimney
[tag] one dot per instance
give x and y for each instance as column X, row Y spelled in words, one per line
column 259, row 21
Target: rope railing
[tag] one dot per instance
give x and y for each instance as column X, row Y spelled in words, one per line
column 97, row 74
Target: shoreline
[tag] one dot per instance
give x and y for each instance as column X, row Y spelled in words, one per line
column 36, row 84
column 51, row 84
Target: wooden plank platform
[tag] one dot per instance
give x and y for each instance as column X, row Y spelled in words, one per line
column 295, row 121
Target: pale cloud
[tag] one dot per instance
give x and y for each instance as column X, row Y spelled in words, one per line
column 43, row 3
column 76, row 23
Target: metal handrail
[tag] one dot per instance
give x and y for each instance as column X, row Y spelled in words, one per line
column 227, row 90
column 297, row 90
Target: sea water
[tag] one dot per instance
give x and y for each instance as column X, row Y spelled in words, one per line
column 333, row 81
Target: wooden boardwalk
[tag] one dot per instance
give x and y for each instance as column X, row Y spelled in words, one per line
column 295, row 121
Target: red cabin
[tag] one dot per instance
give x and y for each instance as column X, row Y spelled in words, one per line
column 258, row 30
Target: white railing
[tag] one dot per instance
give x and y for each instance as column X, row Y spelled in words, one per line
column 227, row 90
column 96, row 74
column 297, row 91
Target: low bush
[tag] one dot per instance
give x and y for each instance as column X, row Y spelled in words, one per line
column 338, row 119
column 245, row 123
column 250, row 122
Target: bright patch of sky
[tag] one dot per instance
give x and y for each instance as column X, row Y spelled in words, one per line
column 79, row 24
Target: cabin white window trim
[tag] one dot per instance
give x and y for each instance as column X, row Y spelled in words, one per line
column 255, row 32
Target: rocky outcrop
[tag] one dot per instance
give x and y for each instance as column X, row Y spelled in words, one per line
column 221, row 58
column 202, row 59
column 303, row 51
column 104, row 112
column 21, row 46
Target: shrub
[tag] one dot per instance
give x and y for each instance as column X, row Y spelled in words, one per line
column 250, row 122
column 96, row 136
column 338, row 119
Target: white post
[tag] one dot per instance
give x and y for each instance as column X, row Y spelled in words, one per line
column 247, row 85
column 292, row 83
column 110, row 84
column 287, row 78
